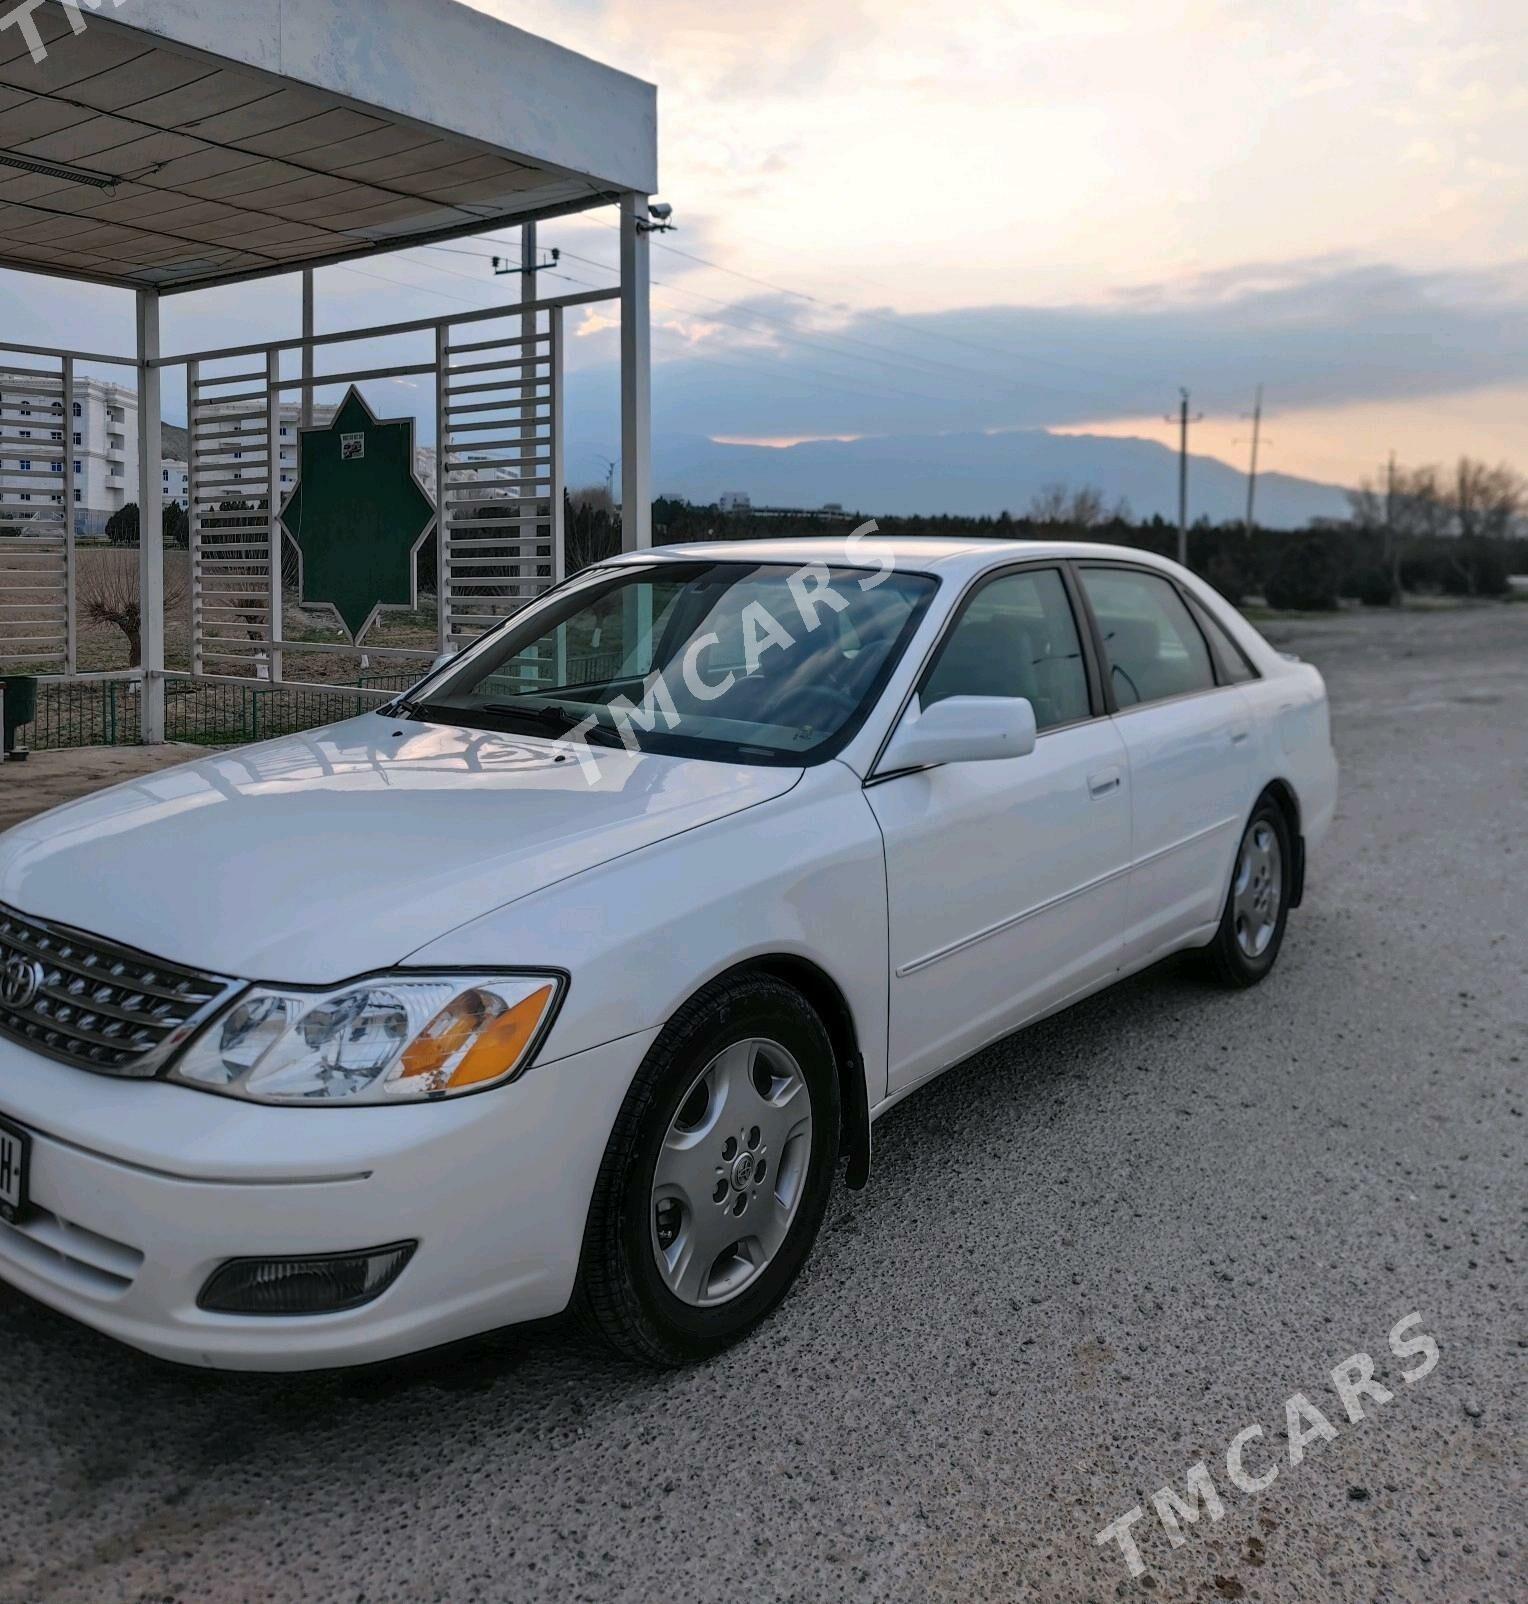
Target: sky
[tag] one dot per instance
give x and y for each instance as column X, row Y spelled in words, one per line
column 898, row 218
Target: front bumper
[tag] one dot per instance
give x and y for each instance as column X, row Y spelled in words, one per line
column 139, row 1190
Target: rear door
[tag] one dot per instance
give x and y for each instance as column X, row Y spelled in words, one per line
column 1006, row 879
column 1187, row 733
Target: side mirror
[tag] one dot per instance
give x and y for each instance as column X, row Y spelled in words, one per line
column 961, row 729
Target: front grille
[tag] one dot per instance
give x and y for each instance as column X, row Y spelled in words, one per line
column 90, row 1002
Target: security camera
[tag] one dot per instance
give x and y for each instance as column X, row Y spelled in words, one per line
column 661, row 210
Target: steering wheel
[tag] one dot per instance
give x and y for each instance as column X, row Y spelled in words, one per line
column 822, row 706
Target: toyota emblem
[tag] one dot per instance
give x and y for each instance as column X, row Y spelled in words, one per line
column 20, row 981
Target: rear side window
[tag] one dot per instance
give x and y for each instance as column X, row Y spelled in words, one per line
column 1231, row 663
column 1153, row 647
column 1016, row 637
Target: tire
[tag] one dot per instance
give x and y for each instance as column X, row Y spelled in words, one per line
column 1251, row 933
column 721, row 1095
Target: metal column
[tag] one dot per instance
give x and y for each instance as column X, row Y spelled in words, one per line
column 307, row 353
column 442, row 527
column 274, row 533
column 636, row 377
column 559, row 488
column 150, row 522
column 71, row 570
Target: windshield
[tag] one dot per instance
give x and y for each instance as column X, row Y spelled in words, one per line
column 744, row 662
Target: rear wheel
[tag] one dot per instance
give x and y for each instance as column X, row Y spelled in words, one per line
column 716, row 1177
column 1251, row 932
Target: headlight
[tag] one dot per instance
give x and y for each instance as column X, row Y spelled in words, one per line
column 386, row 1039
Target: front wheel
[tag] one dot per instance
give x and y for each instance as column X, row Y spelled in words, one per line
column 717, row 1175
column 1251, row 931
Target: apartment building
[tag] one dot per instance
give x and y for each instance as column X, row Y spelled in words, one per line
column 175, row 483
column 104, row 426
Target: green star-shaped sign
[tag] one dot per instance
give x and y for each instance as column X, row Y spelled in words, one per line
column 358, row 514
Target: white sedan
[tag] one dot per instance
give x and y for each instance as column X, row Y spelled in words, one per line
column 564, row 982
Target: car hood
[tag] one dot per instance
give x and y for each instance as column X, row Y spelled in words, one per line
column 334, row 852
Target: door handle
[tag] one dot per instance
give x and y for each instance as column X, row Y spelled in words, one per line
column 1239, row 735
column 1102, row 783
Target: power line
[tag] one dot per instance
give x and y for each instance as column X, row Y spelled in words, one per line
column 404, row 284
column 900, row 323
column 1005, row 390
column 795, row 373
column 790, row 334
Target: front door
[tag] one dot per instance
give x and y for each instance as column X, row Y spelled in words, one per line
column 1006, row 879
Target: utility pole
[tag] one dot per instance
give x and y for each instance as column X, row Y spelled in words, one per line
column 1392, row 547
column 1257, row 429
column 1183, row 420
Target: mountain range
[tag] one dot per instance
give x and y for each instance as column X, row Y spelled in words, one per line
column 979, row 474
column 972, row 475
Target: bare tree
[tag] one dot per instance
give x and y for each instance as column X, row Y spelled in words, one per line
column 107, row 593
column 591, row 530
column 1048, row 504
column 1473, row 502
column 1487, row 501
column 1083, row 508
column 596, row 498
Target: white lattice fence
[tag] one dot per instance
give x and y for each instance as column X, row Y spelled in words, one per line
column 37, row 517
column 500, row 479
column 233, row 484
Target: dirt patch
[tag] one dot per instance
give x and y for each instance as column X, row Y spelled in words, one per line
column 47, row 779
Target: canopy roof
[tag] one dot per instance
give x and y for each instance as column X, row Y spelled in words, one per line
column 185, row 143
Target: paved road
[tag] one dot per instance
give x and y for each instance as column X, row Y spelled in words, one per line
column 1087, row 1259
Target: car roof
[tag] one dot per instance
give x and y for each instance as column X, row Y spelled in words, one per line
column 953, row 555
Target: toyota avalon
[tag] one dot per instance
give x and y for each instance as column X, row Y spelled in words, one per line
column 565, row 982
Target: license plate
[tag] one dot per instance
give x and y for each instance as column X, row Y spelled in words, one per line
column 14, row 1151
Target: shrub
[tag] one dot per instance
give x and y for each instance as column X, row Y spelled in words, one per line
column 1371, row 586
column 1475, row 567
column 1304, row 579
column 177, row 526
column 122, row 526
column 1229, row 577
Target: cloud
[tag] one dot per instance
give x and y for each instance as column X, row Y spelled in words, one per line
column 1323, row 333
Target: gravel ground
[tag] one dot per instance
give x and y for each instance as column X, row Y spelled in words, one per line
column 1087, row 1259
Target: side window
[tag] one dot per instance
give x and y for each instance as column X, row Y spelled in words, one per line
column 1153, row 646
column 1231, row 663
column 1017, row 637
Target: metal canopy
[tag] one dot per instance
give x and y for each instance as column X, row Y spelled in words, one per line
column 242, row 140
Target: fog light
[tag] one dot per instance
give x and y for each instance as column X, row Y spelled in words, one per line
column 324, row 1283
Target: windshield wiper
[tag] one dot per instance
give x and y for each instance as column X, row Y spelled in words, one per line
column 492, row 715
column 547, row 717
column 557, row 719
column 446, row 713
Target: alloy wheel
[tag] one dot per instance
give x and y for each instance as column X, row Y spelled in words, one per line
column 1258, row 889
